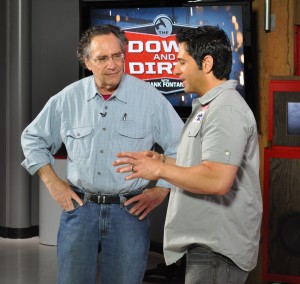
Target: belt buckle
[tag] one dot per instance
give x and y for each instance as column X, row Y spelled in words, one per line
column 101, row 199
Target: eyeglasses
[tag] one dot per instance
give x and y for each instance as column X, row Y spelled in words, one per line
column 102, row 60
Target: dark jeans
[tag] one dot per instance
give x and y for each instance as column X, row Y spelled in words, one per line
column 203, row 266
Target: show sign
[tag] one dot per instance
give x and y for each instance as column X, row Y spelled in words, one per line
column 152, row 54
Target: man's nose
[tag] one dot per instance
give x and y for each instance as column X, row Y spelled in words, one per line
column 111, row 63
column 176, row 69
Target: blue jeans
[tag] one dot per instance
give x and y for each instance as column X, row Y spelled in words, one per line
column 123, row 239
column 203, row 266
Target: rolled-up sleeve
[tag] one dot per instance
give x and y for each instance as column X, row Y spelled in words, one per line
column 41, row 138
column 225, row 135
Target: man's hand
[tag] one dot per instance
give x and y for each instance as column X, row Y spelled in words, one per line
column 138, row 164
column 147, row 201
column 63, row 194
column 59, row 189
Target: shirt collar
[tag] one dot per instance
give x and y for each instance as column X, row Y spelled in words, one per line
column 214, row 92
column 92, row 91
column 120, row 93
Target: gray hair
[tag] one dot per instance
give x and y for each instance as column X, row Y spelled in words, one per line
column 83, row 48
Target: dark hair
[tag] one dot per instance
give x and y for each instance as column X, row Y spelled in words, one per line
column 83, row 48
column 208, row 40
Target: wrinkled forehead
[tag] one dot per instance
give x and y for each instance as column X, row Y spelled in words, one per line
column 105, row 45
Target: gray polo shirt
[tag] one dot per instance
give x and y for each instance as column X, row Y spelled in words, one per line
column 221, row 129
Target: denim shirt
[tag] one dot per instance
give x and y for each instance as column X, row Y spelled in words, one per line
column 134, row 118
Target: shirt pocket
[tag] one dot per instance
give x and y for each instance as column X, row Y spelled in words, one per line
column 132, row 129
column 193, row 129
column 79, row 142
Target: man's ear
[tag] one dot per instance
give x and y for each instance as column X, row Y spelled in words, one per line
column 207, row 63
column 87, row 64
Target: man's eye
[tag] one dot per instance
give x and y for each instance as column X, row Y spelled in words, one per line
column 102, row 59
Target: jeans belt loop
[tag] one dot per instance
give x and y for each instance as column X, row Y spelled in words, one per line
column 122, row 200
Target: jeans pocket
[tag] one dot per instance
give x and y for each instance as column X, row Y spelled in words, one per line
column 76, row 206
column 128, row 208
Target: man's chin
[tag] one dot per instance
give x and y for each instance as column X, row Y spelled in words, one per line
column 113, row 83
column 186, row 90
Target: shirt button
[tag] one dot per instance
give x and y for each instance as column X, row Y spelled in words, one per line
column 98, row 173
column 103, row 128
column 227, row 153
column 106, row 107
column 101, row 151
column 78, row 134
